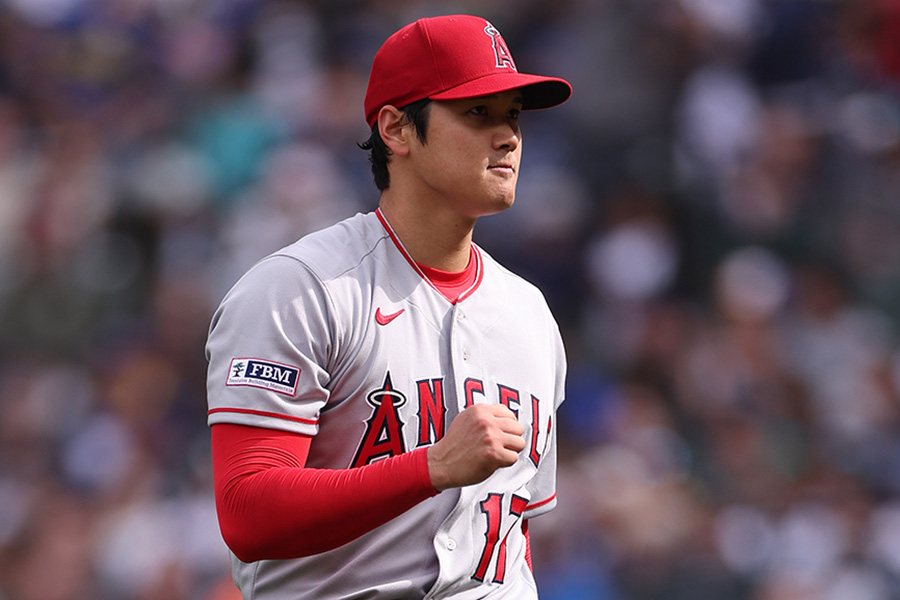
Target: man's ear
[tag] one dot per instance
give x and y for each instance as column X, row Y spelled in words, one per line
column 395, row 129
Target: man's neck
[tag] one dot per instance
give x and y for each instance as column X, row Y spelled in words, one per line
column 434, row 237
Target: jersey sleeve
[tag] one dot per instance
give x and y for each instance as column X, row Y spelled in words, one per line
column 542, row 486
column 269, row 349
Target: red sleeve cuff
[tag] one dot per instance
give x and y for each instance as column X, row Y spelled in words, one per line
column 420, row 462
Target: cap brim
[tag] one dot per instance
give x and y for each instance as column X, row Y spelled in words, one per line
column 537, row 91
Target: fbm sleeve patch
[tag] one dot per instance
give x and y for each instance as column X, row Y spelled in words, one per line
column 266, row 374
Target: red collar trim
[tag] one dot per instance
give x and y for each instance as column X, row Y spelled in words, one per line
column 476, row 258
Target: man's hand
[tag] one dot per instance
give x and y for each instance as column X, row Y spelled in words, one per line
column 480, row 440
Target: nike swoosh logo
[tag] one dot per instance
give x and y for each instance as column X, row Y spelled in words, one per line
column 383, row 319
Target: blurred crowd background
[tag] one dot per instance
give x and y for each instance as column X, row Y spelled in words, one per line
column 714, row 218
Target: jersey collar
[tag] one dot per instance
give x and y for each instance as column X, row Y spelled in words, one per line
column 476, row 256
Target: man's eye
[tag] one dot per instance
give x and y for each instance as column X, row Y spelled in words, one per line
column 514, row 113
column 480, row 110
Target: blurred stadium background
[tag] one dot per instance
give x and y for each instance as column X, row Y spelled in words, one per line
column 714, row 217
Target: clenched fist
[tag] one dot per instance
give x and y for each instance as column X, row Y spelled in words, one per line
column 480, row 440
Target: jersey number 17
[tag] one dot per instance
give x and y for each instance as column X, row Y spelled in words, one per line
column 492, row 507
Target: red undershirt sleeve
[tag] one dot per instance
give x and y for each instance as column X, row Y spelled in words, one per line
column 271, row 506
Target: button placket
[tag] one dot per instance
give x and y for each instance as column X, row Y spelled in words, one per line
column 462, row 350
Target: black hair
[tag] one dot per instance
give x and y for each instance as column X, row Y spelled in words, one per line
column 380, row 155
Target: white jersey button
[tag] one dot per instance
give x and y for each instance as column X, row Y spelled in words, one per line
column 451, row 544
column 459, row 315
column 465, row 354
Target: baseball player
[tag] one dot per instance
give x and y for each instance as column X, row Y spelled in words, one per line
column 382, row 393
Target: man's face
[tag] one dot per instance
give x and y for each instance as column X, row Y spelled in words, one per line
column 470, row 162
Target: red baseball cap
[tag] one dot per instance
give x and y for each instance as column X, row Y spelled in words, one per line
column 448, row 58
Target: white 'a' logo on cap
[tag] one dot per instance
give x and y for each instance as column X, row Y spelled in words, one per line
column 501, row 52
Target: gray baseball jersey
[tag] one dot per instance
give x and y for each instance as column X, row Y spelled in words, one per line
column 340, row 336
